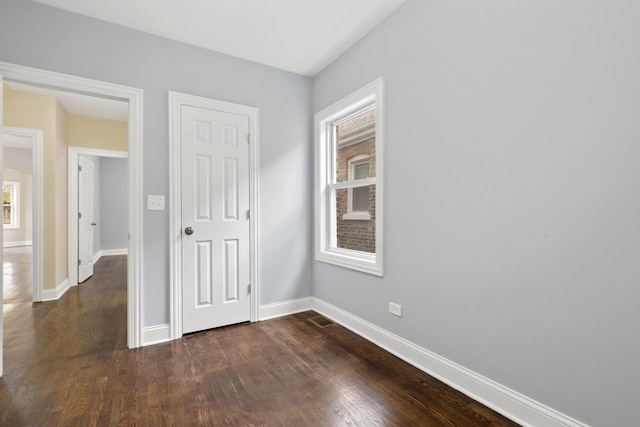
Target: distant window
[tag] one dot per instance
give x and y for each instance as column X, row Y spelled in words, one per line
column 358, row 197
column 10, row 205
column 349, row 181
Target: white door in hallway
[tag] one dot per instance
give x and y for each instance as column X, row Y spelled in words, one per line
column 215, row 218
column 85, row 218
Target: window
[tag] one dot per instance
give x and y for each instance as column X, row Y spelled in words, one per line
column 349, row 181
column 10, row 205
column 358, row 206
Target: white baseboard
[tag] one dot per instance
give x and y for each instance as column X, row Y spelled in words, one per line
column 55, row 294
column 15, row 244
column 108, row 252
column 501, row 399
column 155, row 334
column 279, row 309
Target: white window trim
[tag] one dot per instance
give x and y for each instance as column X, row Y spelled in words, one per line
column 15, row 206
column 352, row 215
column 325, row 238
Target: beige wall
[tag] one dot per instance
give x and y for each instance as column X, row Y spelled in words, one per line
column 59, row 130
column 19, row 159
column 62, row 189
column 24, row 233
column 90, row 132
column 33, row 111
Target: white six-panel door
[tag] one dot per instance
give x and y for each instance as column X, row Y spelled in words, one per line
column 215, row 218
column 85, row 220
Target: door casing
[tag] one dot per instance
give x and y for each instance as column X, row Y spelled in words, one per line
column 74, row 153
column 176, row 101
column 133, row 97
column 34, row 138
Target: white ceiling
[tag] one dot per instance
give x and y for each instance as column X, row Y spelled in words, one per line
column 82, row 105
column 302, row 36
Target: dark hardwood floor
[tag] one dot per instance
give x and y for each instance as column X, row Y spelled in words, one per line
column 66, row 363
column 16, row 274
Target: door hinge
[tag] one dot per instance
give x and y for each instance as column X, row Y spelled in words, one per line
column 248, row 138
column 79, row 168
column 248, row 214
column 249, row 288
column 79, row 215
column 79, row 262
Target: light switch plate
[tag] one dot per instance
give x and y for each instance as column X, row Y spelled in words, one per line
column 155, row 203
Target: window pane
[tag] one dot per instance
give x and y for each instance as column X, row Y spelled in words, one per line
column 6, row 194
column 6, row 204
column 360, row 200
column 359, row 232
column 356, row 137
column 6, row 214
column 361, row 170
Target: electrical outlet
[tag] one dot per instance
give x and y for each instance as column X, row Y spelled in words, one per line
column 395, row 309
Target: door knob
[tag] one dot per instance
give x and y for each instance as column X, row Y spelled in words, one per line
column 188, row 231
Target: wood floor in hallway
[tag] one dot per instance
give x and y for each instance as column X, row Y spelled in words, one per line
column 66, row 363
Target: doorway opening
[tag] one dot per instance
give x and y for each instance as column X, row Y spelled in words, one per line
column 133, row 98
column 107, row 224
column 22, row 242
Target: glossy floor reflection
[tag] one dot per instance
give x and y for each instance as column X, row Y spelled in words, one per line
column 17, row 275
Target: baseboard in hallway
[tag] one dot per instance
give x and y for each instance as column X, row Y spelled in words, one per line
column 109, row 252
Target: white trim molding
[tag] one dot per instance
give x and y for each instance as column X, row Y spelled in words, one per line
column 55, row 294
column 34, row 137
column 16, row 244
column 2, row 235
column 326, row 185
column 109, row 252
column 74, row 154
column 156, row 334
column 176, row 101
column 511, row 404
column 133, row 96
column 285, row 308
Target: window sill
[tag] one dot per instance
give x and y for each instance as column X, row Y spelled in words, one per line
column 355, row 260
column 357, row 216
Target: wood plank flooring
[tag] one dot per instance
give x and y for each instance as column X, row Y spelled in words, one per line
column 66, row 363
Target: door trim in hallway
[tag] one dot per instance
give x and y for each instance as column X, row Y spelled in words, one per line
column 74, row 153
column 34, row 138
column 176, row 101
column 134, row 98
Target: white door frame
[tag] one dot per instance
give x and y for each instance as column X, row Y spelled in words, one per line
column 74, row 154
column 33, row 141
column 133, row 96
column 1, row 234
column 176, row 101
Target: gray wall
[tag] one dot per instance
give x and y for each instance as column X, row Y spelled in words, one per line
column 515, row 256
column 114, row 175
column 47, row 38
column 513, row 197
